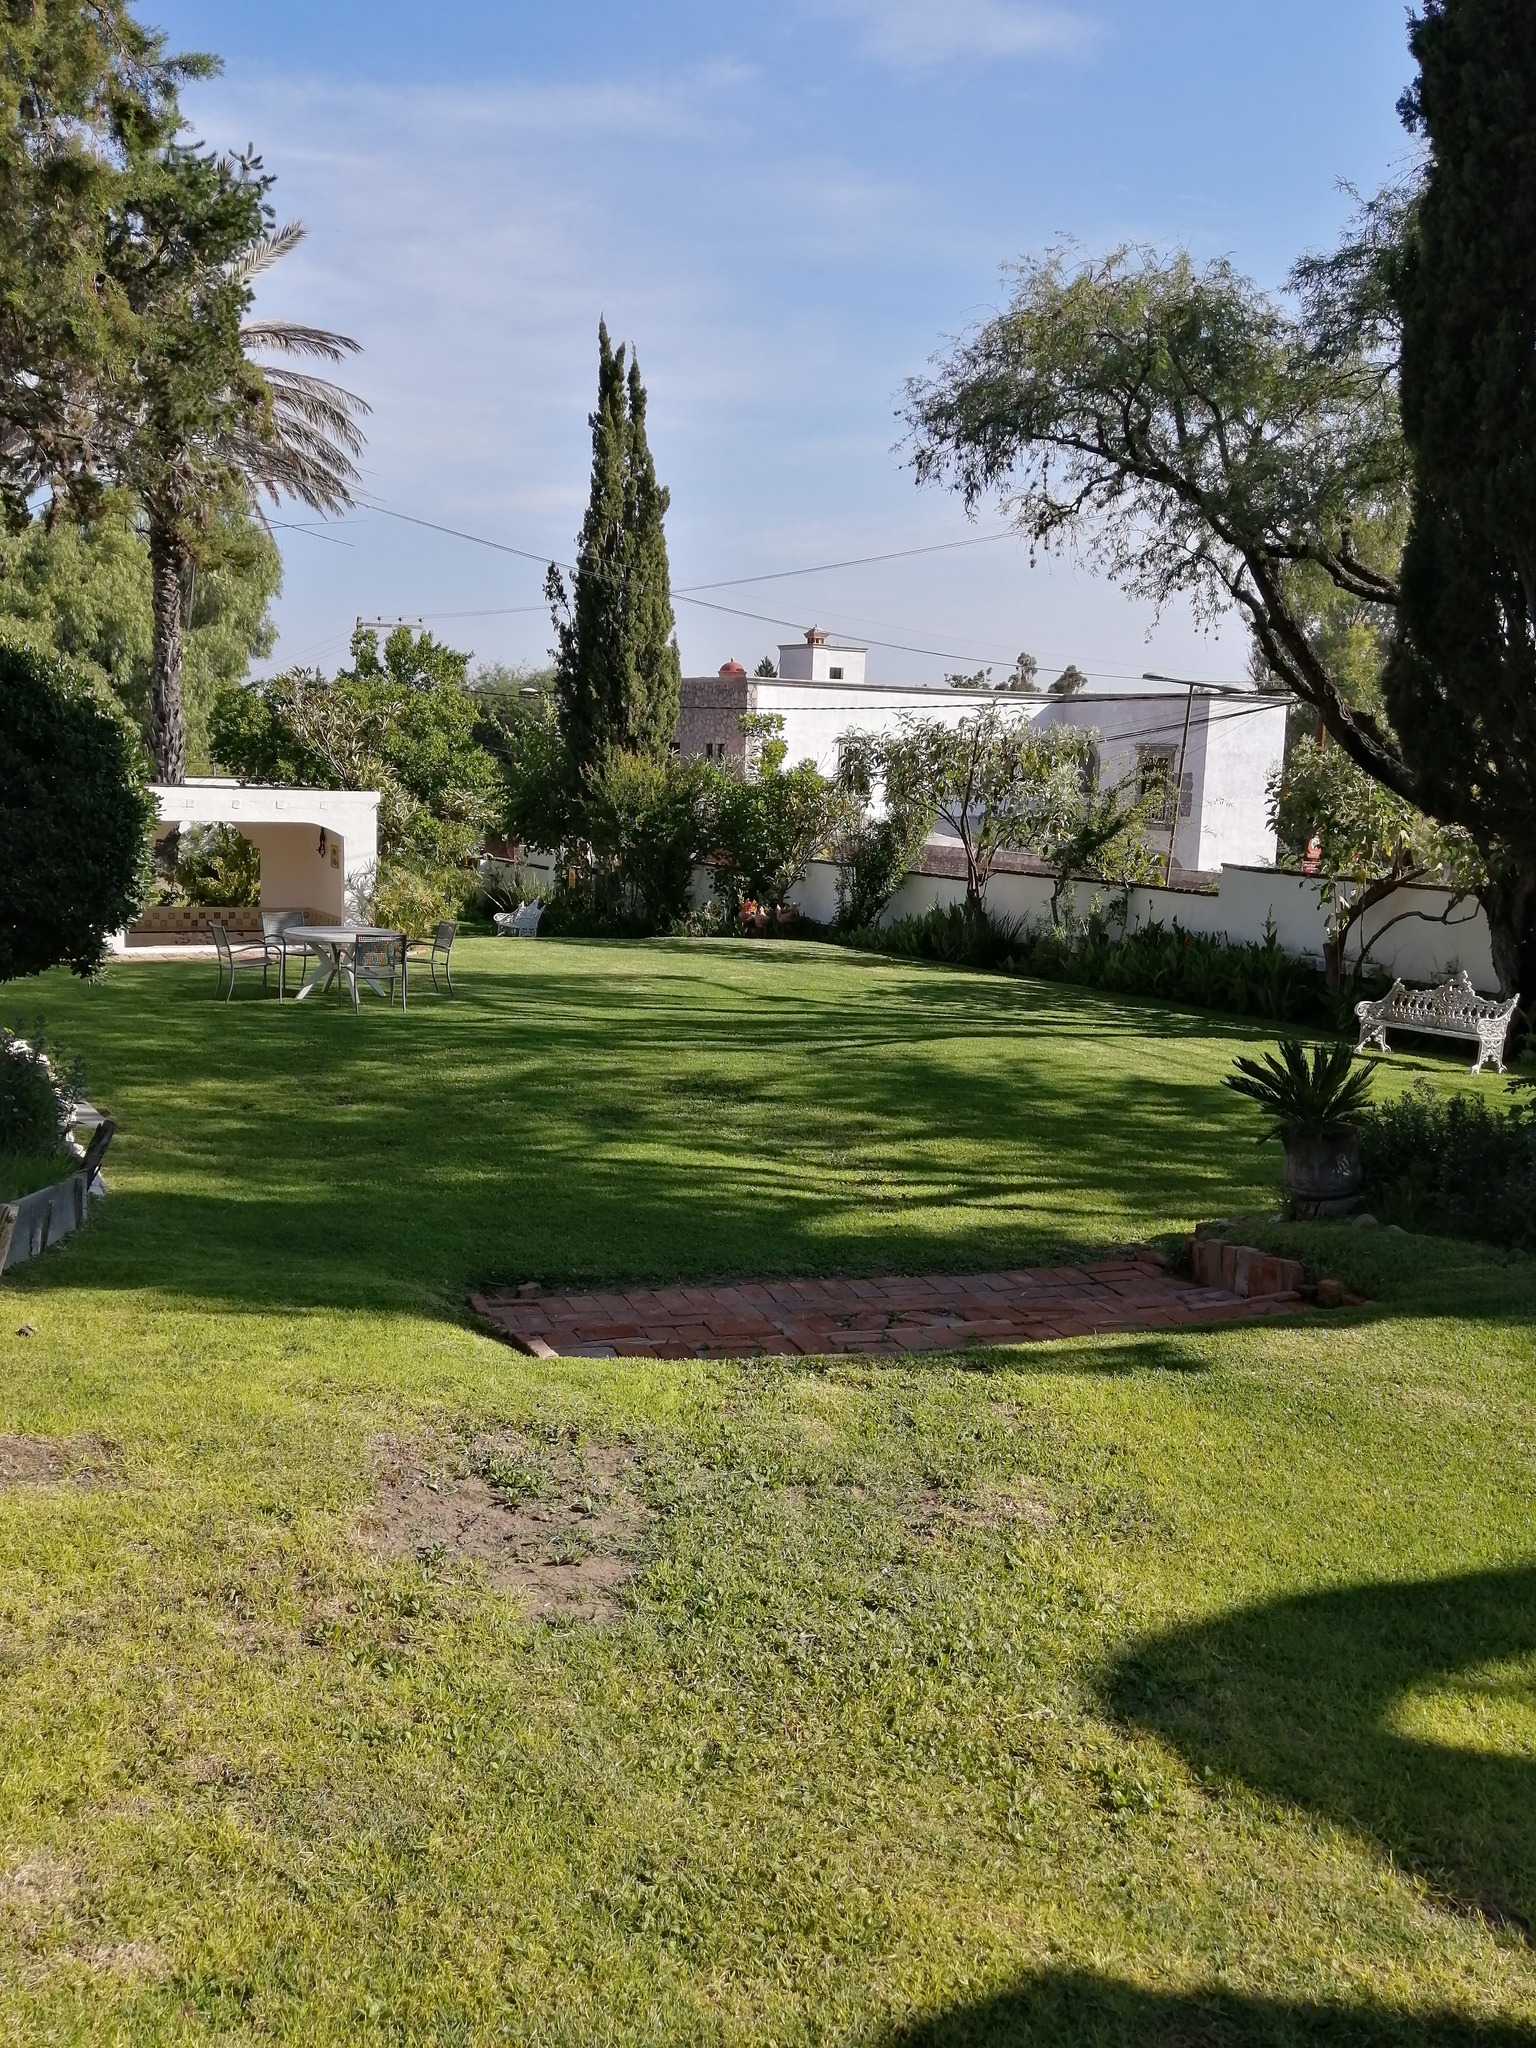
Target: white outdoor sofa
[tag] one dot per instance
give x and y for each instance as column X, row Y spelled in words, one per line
column 1454, row 1010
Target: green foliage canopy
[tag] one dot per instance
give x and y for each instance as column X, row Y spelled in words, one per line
column 1000, row 778
column 1197, row 438
column 80, row 588
column 649, row 821
column 401, row 721
column 874, row 841
column 87, row 95
column 74, row 818
column 772, row 821
column 1461, row 686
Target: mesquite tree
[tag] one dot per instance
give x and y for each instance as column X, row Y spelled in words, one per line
column 1198, row 439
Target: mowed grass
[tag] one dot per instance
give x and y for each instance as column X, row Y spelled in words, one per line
column 1179, row 1688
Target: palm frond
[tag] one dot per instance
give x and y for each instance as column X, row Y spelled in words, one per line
column 312, row 470
column 266, row 250
column 314, row 402
column 293, row 338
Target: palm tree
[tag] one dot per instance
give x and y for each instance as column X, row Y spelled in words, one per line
column 271, row 432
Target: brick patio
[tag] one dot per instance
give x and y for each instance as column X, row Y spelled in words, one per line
column 886, row 1317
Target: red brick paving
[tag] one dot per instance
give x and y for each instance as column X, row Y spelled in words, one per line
column 925, row 1312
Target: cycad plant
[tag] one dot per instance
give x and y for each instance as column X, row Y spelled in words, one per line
column 1302, row 1096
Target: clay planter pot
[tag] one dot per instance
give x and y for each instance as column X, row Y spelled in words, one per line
column 1322, row 1172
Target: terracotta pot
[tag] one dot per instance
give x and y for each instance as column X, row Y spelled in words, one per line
column 1322, row 1172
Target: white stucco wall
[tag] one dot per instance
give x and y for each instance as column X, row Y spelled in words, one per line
column 1424, row 935
column 800, row 661
column 816, row 715
column 298, row 871
column 1235, row 745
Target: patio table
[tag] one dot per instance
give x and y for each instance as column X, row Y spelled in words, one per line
column 332, row 944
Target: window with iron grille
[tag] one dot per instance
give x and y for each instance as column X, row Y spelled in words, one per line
column 1154, row 777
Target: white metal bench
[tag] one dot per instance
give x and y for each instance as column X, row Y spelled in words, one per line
column 519, row 924
column 1454, row 1010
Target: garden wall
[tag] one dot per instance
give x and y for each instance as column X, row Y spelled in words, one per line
column 1421, row 934
column 1415, row 939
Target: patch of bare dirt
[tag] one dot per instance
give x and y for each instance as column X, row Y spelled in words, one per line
column 995, row 1507
column 43, row 1902
column 559, row 1524
column 40, row 1886
column 43, row 1461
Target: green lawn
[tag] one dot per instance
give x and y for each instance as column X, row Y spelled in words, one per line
column 1176, row 1689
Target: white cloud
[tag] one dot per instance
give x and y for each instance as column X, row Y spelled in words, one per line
column 917, row 35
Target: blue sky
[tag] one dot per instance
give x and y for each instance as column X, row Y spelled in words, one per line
column 787, row 208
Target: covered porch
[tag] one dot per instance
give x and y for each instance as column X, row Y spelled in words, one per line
column 318, row 848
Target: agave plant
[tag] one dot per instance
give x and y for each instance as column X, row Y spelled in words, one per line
column 1304, row 1097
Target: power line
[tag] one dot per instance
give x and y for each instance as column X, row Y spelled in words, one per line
column 457, row 533
column 685, row 594
column 975, row 540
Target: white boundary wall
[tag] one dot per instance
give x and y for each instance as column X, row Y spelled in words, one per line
column 1424, row 934
column 1418, row 945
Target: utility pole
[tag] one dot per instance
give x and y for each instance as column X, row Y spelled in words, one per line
column 1178, row 777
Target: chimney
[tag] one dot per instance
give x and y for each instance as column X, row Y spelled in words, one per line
column 815, row 637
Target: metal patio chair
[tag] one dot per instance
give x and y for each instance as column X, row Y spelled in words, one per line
column 282, row 929
column 231, row 958
column 438, row 948
column 376, row 960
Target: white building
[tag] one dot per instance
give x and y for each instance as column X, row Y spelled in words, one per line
column 1224, row 746
column 319, row 847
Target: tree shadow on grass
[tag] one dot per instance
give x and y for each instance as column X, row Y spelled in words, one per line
column 1077, row 2009
column 638, row 1114
column 1295, row 1698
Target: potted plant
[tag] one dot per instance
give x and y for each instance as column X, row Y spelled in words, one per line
column 1313, row 1105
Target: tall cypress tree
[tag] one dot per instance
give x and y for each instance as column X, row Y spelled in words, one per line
column 1461, row 684
column 618, row 681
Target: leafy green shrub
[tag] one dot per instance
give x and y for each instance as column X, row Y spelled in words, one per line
column 38, row 1089
column 952, row 933
column 217, row 864
column 1249, row 978
column 770, row 823
column 1454, row 1166
column 406, row 900
column 74, row 819
column 649, row 821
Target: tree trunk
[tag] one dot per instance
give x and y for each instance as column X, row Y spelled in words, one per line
column 1509, row 903
column 167, row 720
